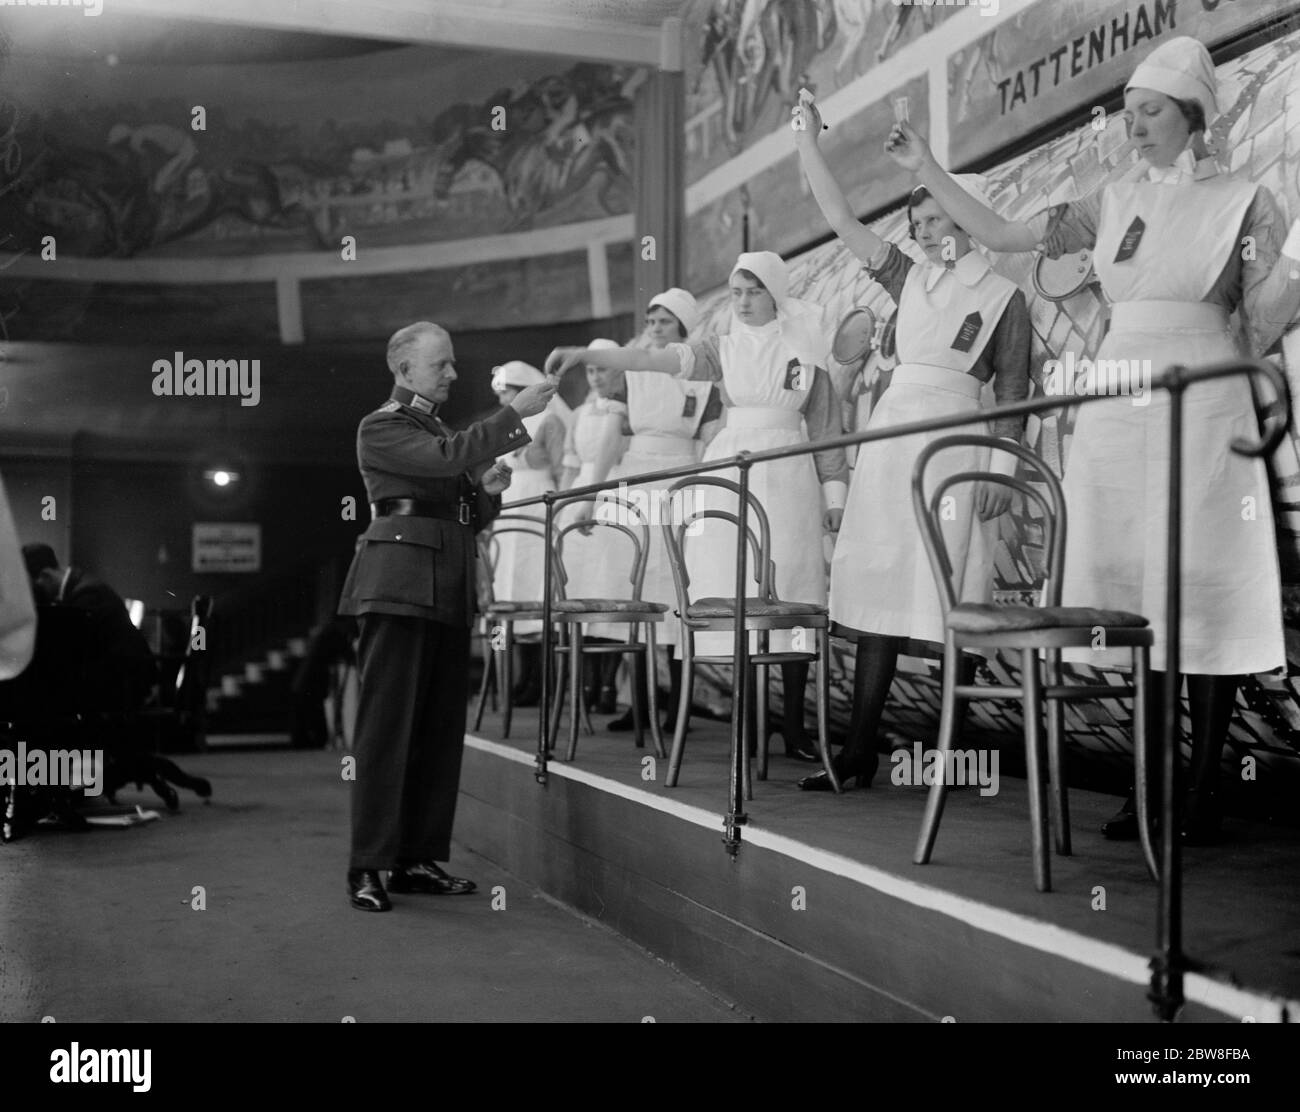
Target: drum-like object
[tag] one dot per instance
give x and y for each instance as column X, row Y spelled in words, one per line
column 1061, row 278
column 854, row 337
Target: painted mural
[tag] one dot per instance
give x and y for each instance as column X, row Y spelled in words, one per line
column 754, row 55
column 155, row 169
column 1257, row 136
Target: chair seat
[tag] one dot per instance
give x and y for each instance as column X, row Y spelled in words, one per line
column 607, row 606
column 754, row 608
column 513, row 607
column 973, row 617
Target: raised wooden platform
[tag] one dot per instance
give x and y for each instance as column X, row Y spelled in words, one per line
column 821, row 914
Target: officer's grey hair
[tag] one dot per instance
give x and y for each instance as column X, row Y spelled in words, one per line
column 402, row 343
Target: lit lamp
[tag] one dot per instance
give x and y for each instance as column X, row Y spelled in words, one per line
column 223, row 478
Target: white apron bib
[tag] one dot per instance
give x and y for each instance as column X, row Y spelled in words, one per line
column 664, row 424
column 1117, row 472
column 767, row 400
column 519, row 571
column 881, row 580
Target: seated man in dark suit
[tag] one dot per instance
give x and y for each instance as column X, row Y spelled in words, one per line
column 125, row 669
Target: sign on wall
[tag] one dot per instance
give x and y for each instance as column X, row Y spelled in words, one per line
column 1057, row 57
column 226, row 546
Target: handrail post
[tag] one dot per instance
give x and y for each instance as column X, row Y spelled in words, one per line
column 736, row 816
column 544, row 703
column 1167, row 966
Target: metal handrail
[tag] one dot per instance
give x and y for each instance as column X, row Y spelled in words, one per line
column 1169, row 963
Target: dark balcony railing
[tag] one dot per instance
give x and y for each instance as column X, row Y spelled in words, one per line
column 1169, row 962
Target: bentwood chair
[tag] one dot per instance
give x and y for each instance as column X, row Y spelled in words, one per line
column 572, row 615
column 764, row 612
column 1029, row 631
column 501, row 615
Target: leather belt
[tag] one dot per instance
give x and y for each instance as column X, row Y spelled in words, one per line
column 461, row 514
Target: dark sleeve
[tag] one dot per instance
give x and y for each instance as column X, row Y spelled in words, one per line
column 892, row 273
column 822, row 416
column 1009, row 353
column 393, row 443
column 712, row 408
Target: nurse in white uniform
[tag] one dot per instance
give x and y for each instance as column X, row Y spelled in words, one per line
column 770, row 364
column 665, row 433
column 592, row 560
column 536, row 469
column 1167, row 239
column 959, row 326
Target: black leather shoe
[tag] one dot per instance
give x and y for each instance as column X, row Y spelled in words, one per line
column 622, row 724
column 366, row 890
column 1121, row 826
column 428, row 879
column 862, row 774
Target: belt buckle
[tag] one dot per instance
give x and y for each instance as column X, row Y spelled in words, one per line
column 462, row 513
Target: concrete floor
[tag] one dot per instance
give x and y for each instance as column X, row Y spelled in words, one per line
column 99, row 926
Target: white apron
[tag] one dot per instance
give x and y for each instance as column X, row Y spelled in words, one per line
column 881, row 580
column 597, row 565
column 664, row 425
column 765, row 413
column 519, row 570
column 1117, row 472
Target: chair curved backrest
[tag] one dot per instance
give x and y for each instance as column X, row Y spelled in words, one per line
column 637, row 530
column 524, row 524
column 928, row 516
column 760, row 543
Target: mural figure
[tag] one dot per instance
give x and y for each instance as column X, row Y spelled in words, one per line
column 145, row 188
column 560, row 133
column 756, row 47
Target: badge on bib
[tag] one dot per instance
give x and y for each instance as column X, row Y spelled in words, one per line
column 688, row 407
column 797, row 376
column 966, row 334
column 1132, row 238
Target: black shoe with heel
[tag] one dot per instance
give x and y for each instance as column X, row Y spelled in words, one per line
column 856, row 769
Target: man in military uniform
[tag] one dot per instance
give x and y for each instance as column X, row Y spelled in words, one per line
column 412, row 588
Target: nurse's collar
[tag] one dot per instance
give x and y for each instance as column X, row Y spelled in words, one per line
column 968, row 270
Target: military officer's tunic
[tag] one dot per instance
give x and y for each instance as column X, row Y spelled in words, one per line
column 412, row 588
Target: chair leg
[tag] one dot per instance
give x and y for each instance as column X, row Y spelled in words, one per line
column 823, row 705
column 655, row 732
column 506, row 674
column 638, row 696
column 749, row 693
column 761, row 676
column 683, row 703
column 1032, row 684
column 575, row 686
column 489, row 658
column 1141, row 751
column 949, row 715
column 1056, row 757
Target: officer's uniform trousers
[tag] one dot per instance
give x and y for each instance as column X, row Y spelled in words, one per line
column 412, row 588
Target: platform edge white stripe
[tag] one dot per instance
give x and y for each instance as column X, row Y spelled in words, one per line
column 1105, row 957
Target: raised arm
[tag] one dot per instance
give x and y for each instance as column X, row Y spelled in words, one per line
column 619, row 359
column 806, row 123
column 908, row 148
